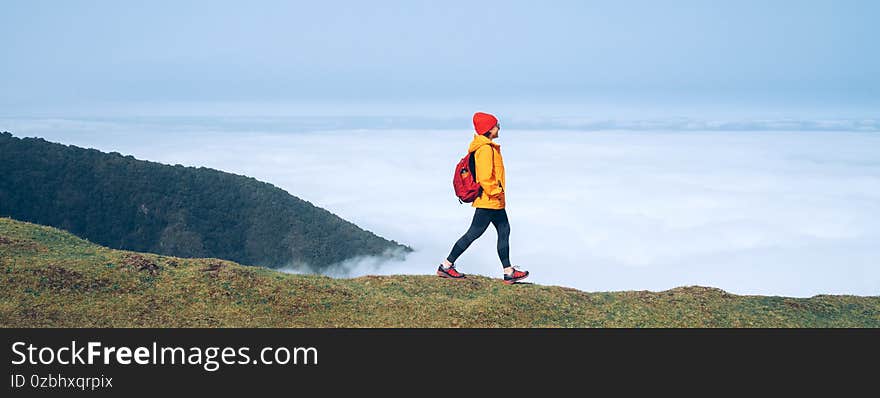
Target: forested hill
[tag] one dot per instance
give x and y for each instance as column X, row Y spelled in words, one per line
column 125, row 203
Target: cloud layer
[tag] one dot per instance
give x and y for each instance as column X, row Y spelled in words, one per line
column 780, row 213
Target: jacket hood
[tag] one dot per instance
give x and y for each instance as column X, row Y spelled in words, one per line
column 480, row 140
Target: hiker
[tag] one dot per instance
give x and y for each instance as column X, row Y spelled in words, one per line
column 490, row 204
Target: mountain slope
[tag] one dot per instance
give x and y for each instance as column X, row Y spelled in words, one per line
column 52, row 279
column 125, row 203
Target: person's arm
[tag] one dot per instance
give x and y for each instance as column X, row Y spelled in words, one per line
column 484, row 163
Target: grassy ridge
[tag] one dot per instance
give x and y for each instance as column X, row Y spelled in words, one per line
column 54, row 279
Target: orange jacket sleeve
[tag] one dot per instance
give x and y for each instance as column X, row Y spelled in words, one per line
column 484, row 163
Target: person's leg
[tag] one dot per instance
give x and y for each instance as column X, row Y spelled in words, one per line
column 511, row 274
column 502, row 225
column 478, row 225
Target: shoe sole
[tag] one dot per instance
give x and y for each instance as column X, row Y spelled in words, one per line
column 512, row 281
column 447, row 276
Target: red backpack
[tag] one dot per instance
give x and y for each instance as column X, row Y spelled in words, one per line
column 465, row 180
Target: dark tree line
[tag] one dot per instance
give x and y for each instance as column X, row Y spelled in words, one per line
column 125, row 203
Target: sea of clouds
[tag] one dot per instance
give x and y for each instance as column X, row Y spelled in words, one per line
column 773, row 211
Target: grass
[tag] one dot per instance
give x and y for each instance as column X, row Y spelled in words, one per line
column 51, row 278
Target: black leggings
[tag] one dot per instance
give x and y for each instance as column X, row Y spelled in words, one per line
column 482, row 218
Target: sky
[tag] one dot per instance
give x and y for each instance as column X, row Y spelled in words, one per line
column 791, row 213
column 95, row 58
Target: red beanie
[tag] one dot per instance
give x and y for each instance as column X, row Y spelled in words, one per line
column 484, row 122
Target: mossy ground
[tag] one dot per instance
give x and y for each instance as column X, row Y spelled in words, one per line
column 51, row 278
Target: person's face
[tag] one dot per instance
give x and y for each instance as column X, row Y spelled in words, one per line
column 493, row 133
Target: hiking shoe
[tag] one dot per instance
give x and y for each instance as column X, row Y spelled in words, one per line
column 517, row 275
column 450, row 272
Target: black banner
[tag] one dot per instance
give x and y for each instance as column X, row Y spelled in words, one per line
column 241, row 361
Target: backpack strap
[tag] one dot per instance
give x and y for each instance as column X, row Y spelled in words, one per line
column 472, row 164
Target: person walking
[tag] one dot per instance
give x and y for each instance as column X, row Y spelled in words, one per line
column 490, row 205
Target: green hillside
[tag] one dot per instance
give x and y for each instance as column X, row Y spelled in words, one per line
column 125, row 203
column 53, row 279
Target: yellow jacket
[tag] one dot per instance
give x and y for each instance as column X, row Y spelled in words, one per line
column 490, row 172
